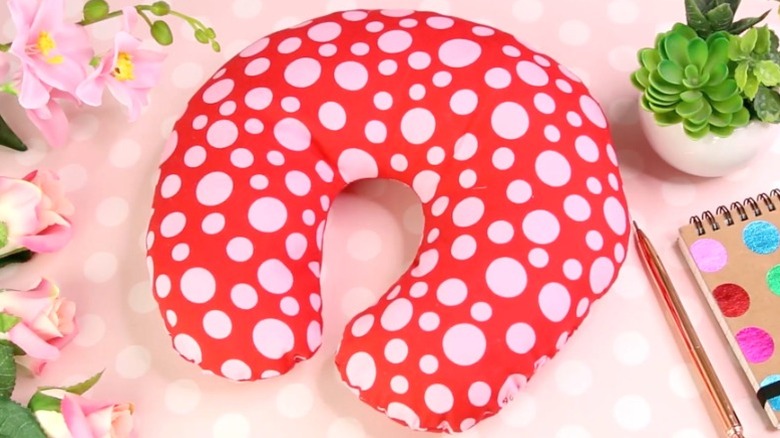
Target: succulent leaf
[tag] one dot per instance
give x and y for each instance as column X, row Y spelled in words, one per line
column 649, row 58
column 719, row 119
column 686, row 109
column 741, row 118
column 720, row 17
column 767, row 105
column 763, row 40
column 722, row 132
column 695, row 17
column 751, row 86
column 691, row 96
column 730, row 105
column 742, row 25
column 767, row 72
column 722, row 91
column 748, row 41
column 666, row 119
column 741, row 75
column 676, row 48
column 670, row 72
column 697, row 52
column 718, row 74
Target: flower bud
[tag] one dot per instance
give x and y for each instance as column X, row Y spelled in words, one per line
column 215, row 46
column 160, row 8
column 95, row 10
column 201, row 36
column 161, row 33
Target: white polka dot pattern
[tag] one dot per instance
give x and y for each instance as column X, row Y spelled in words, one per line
column 252, row 218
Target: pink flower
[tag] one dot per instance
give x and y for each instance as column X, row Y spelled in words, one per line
column 127, row 71
column 54, row 54
column 5, row 67
column 84, row 418
column 51, row 120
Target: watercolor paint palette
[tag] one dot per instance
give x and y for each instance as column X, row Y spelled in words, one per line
column 734, row 254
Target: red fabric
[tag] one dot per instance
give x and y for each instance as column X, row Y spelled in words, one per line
column 525, row 219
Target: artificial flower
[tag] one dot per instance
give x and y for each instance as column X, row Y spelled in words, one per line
column 51, row 120
column 5, row 67
column 46, row 322
column 84, row 418
column 127, row 71
column 53, row 53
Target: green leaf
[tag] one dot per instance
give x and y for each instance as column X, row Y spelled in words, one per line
column 692, row 75
column 741, row 74
column 762, row 43
column 767, row 105
column 722, row 91
column 730, row 105
column 79, row 388
column 670, row 72
column 687, row 109
column 7, row 370
column 43, row 402
column 740, row 26
column 9, row 139
column 695, row 17
column 751, row 86
column 7, row 322
column 767, row 72
column 18, row 422
column 718, row 53
column 676, row 48
column 666, row 119
column 697, row 52
column 735, row 50
column 774, row 42
column 21, row 256
column 703, row 115
column 695, row 133
column 724, row 131
column 748, row 41
column 691, row 96
column 741, row 118
column 640, row 79
column 3, row 234
column 718, row 74
column 660, row 85
column 719, row 119
column 161, row 33
column 720, row 17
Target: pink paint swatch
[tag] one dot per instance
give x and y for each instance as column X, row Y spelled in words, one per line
column 756, row 344
column 709, row 255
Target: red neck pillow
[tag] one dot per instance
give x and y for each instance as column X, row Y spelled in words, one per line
column 525, row 219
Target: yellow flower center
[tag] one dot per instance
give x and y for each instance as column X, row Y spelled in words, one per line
column 123, row 70
column 45, row 45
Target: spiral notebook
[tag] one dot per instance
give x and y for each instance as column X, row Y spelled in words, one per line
column 734, row 253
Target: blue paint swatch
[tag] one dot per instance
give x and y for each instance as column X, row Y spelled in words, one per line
column 761, row 237
column 774, row 403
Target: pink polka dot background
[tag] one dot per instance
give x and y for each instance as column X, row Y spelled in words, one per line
column 621, row 374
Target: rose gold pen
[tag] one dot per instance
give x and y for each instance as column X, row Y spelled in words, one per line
column 685, row 330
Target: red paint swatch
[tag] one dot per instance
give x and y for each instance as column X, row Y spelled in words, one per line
column 732, row 299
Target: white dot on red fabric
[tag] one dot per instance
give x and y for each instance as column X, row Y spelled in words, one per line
column 594, row 240
column 388, row 67
column 274, row 276
column 587, row 148
column 425, row 184
column 362, row 325
column 417, row 92
column 243, row 296
column 213, row 223
column 292, row 134
column 269, row 374
column 464, row 102
column 594, row 185
column 218, row 91
column 511, row 51
column 498, row 78
column 396, row 13
column 615, row 215
column 439, row 398
column 620, row 253
column 297, row 182
column 506, row 277
column 552, row 134
column 429, row 364
column 464, row 344
column 255, row 48
column 222, row 133
column 440, row 206
column 303, row 72
column 466, row 147
column 577, row 208
column 509, row 120
column 376, row 131
column 419, row 60
column 442, row 79
column 582, row 307
column 394, row 41
column 611, row 154
column 314, row 336
column 291, row 104
column 257, row 67
column 601, row 272
column 544, row 103
column 396, row 351
column 459, row 53
column 438, row 22
column 572, row 269
column 236, row 370
column 289, row 306
column 242, row 158
column 327, row 50
column 254, row 126
column 463, row 247
column 361, row 370
column 501, row 232
column 198, row 285
column 503, row 158
column 399, row 384
column 613, row 181
column 520, row 338
column 538, row 258
column 541, row 226
column 397, row 315
column 360, row 49
column 429, row 321
column 467, row 178
column 217, row 324
column 481, row 311
column 592, row 111
column 332, row 116
column 324, row 170
column 399, row 162
column 468, row 212
column 273, row 338
column 519, row 191
column 479, row 394
column 227, row 108
column 259, row 98
column 267, row 214
column 452, row 292
column 308, row 217
column 214, row 189
column 483, row 31
column 162, row 285
column 180, row 252
column 324, row 32
column 435, row 155
column 574, row 119
column 195, row 156
column 296, row 245
column 553, row 168
column 393, row 293
column 418, row 125
column 173, row 224
column 275, row 157
column 554, row 301
column 532, row 74
column 258, row 182
column 418, row 290
column 354, row 15
column 563, row 86
column 375, row 26
column 383, row 100
column 188, row 347
column 351, row 75
column 355, row 164
column 240, row 249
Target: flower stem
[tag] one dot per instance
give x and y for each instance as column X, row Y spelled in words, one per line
column 9, row 139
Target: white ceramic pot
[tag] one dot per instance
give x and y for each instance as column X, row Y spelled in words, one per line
column 712, row 155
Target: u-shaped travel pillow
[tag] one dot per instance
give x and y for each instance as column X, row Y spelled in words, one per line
column 525, row 219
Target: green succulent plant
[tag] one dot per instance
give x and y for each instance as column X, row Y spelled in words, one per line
column 710, row 16
column 685, row 79
column 754, row 67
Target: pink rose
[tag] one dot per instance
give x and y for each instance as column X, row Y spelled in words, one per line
column 47, row 323
column 84, row 418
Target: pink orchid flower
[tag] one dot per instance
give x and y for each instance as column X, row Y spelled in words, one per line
column 33, row 214
column 84, row 418
column 54, row 54
column 51, row 120
column 127, row 71
column 47, row 321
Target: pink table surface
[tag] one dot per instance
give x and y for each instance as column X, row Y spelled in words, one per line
column 621, row 375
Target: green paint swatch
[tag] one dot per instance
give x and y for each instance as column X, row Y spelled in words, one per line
column 773, row 279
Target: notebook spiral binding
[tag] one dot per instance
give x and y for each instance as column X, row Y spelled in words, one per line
column 737, row 211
